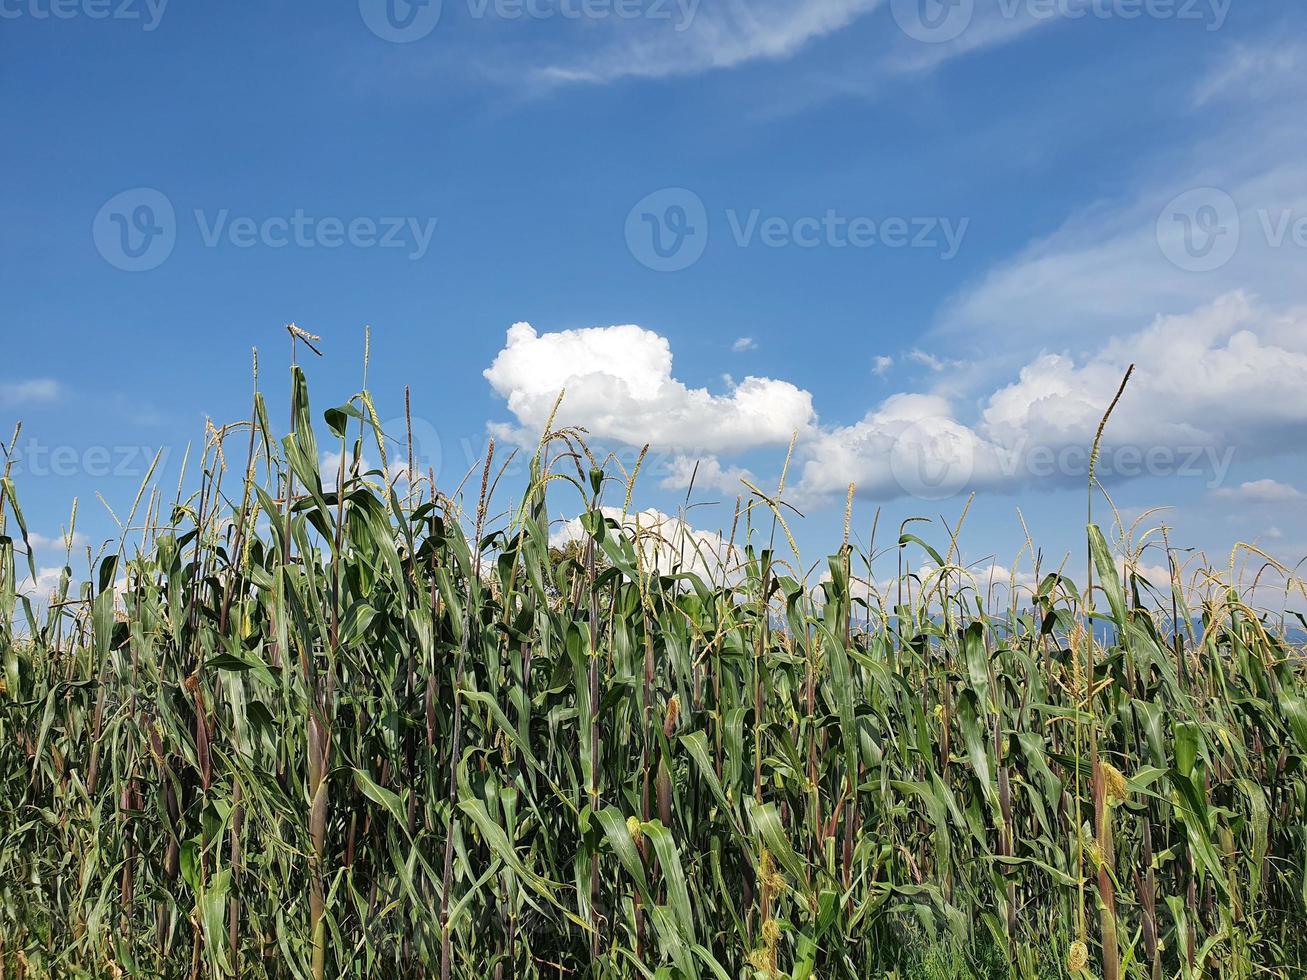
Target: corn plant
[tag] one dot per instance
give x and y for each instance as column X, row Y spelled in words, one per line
column 312, row 724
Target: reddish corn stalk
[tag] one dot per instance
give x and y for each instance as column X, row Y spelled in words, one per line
column 1106, row 890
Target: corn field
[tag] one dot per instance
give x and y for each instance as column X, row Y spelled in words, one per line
column 347, row 724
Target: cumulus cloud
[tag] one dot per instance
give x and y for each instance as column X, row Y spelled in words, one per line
column 743, row 344
column 1187, row 405
column 666, row 543
column 910, row 444
column 396, row 465
column 992, row 582
column 41, row 590
column 62, row 542
column 44, row 585
column 331, row 460
column 1186, row 412
column 1194, row 374
column 707, row 473
column 620, row 386
column 881, row 364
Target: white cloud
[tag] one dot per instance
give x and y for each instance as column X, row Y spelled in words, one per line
column 987, row 24
column 1216, row 370
column 1187, row 405
column 1186, row 412
column 666, row 543
column 1062, row 283
column 990, row 581
column 396, row 465
column 16, row 393
column 699, row 37
column 40, row 590
column 692, row 37
column 1253, row 71
column 60, row 542
column 330, row 468
column 743, row 344
column 707, row 474
column 45, row 584
column 1261, row 491
column 999, row 581
column 881, row 364
column 620, row 386
column 911, row 443
column 926, row 360
column 1194, row 373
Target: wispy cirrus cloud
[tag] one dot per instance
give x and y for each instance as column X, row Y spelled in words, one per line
column 720, row 36
column 1265, row 491
column 29, row 392
column 1253, row 71
column 1226, row 212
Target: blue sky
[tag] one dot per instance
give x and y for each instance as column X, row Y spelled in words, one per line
column 926, row 237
